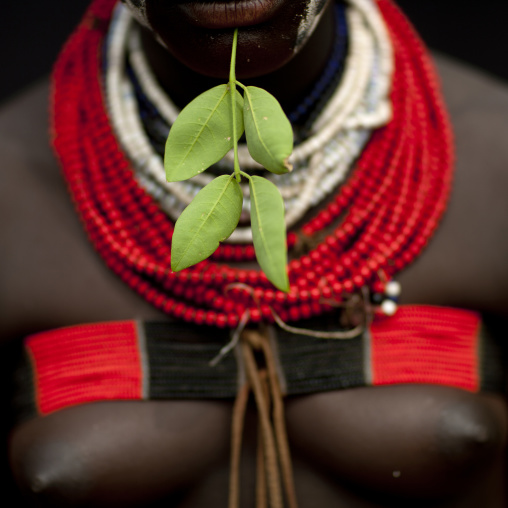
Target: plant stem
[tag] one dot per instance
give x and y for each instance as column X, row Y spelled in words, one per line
column 232, row 76
column 242, row 85
column 232, row 88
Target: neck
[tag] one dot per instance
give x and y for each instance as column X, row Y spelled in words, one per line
column 289, row 84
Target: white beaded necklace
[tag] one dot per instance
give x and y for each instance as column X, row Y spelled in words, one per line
column 321, row 162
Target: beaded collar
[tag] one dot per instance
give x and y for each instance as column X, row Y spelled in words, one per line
column 301, row 116
column 377, row 223
column 321, row 161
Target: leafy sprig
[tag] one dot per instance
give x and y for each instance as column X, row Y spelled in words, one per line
column 208, row 128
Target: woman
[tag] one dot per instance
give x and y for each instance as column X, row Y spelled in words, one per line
column 381, row 446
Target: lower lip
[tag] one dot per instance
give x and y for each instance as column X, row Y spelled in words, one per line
column 229, row 14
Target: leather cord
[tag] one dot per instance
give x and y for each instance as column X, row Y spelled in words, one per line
column 274, row 483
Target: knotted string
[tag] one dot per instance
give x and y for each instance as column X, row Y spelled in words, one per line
column 273, row 455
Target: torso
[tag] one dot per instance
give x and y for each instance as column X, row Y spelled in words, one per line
column 50, row 277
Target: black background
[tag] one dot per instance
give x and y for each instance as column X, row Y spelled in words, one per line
column 32, row 31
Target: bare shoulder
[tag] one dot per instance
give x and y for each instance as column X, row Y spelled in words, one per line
column 465, row 263
column 28, row 193
column 49, row 274
column 24, row 141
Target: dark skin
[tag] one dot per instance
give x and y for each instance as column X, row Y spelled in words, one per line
column 286, row 83
column 267, row 46
column 448, row 445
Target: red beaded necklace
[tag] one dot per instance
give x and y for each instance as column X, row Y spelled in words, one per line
column 387, row 210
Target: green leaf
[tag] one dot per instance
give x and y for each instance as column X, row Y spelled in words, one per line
column 202, row 134
column 210, row 218
column 269, row 230
column 268, row 131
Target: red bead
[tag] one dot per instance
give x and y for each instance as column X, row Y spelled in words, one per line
column 269, row 295
column 306, row 310
column 242, row 276
column 233, row 320
column 302, row 283
column 292, row 296
column 337, row 288
column 219, row 302
column 179, row 310
column 228, row 306
column 304, row 295
column 339, row 271
column 358, row 281
column 249, row 252
column 221, row 320
column 255, row 315
column 189, row 315
column 280, row 297
column 253, row 278
column 315, row 257
column 311, row 277
column 294, row 314
column 266, row 311
column 348, row 286
column 210, row 318
column 200, row 316
column 326, row 291
column 257, row 295
column 227, row 251
column 230, row 276
column 210, row 295
column 331, row 241
column 315, row 294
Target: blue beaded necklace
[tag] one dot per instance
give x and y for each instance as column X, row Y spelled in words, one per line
column 324, row 87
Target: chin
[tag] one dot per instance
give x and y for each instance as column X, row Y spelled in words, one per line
column 210, row 54
column 202, row 40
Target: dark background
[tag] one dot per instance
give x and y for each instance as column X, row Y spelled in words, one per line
column 32, row 31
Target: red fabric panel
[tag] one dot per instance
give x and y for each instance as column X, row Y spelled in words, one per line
column 76, row 364
column 425, row 344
